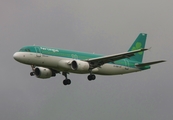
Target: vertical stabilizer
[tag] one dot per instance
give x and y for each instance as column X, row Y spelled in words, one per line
column 138, row 44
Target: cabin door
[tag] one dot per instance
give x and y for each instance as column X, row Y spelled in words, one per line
column 38, row 52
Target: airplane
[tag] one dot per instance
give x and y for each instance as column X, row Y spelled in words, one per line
column 46, row 62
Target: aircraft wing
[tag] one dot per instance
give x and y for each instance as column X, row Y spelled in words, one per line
column 96, row 62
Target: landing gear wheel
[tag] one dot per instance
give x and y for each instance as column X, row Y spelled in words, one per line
column 67, row 82
column 91, row 77
column 32, row 73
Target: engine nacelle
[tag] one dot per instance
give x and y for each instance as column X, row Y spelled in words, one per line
column 43, row 73
column 79, row 65
column 64, row 64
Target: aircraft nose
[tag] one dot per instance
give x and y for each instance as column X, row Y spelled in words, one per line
column 16, row 56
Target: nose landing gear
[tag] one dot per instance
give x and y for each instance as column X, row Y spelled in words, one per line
column 32, row 73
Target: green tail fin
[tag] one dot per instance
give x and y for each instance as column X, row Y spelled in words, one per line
column 138, row 44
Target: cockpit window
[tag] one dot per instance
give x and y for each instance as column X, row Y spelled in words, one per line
column 28, row 50
column 22, row 49
column 25, row 49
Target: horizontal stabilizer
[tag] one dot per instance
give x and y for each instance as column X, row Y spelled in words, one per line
column 149, row 63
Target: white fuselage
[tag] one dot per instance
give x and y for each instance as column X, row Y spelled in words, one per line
column 54, row 62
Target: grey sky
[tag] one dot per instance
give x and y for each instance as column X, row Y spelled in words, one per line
column 100, row 26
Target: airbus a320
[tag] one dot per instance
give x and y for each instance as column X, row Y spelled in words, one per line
column 46, row 62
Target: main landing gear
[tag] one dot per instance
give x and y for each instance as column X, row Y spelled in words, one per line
column 91, row 77
column 66, row 81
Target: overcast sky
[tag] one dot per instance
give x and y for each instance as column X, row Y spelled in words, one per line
column 100, row 26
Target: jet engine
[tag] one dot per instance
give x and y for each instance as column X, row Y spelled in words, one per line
column 79, row 65
column 43, row 73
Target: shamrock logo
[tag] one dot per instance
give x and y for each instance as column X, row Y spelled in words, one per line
column 138, row 46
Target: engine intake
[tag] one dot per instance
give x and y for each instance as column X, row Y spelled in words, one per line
column 43, row 73
column 79, row 65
